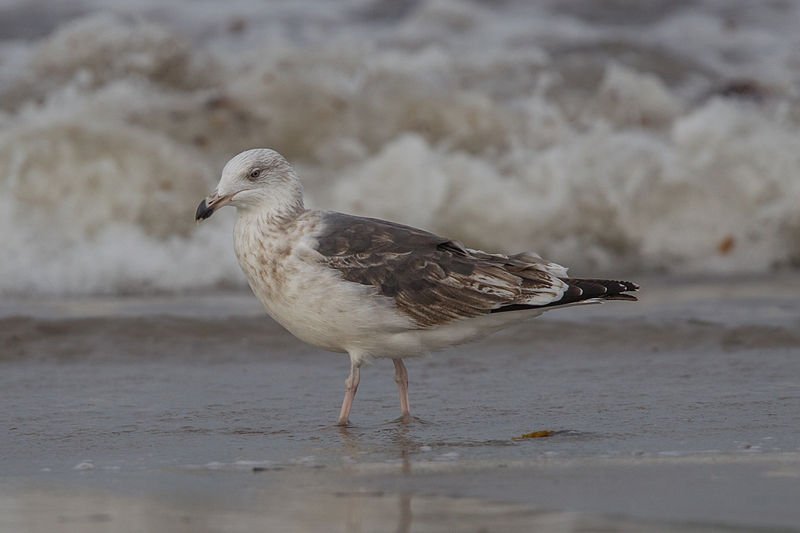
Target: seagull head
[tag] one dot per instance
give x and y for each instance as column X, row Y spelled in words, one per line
column 259, row 178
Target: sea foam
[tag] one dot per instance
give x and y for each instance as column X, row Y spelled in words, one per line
column 664, row 144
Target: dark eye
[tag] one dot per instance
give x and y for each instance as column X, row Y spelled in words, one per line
column 256, row 172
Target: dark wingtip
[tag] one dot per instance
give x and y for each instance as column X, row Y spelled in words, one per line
column 579, row 290
column 203, row 211
column 605, row 289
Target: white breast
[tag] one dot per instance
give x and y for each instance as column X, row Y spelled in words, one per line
column 306, row 297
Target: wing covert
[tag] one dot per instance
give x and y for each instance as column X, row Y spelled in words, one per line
column 432, row 279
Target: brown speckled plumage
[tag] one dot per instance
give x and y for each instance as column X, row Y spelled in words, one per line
column 435, row 280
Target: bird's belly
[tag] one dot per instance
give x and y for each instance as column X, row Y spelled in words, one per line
column 318, row 307
column 310, row 333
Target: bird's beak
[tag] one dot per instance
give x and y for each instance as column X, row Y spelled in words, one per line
column 211, row 204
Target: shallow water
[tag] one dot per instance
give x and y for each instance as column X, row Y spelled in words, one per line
column 132, row 397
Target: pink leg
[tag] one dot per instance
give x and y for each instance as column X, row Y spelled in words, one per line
column 401, row 378
column 350, row 393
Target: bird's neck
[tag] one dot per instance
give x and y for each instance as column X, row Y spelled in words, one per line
column 273, row 212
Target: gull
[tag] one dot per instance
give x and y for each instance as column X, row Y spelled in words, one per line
column 373, row 288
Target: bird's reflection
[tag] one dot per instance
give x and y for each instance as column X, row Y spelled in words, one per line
column 358, row 503
column 405, row 516
column 355, row 443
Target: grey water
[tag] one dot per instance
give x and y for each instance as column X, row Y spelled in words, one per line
column 141, row 394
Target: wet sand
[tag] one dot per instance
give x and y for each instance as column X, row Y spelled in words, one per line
column 679, row 413
column 649, row 495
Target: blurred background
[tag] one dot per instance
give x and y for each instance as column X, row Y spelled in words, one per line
column 658, row 137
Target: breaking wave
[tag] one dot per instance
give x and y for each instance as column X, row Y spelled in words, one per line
column 663, row 139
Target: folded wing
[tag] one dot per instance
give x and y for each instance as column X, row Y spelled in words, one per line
column 435, row 280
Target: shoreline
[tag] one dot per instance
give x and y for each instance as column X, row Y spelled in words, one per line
column 677, row 413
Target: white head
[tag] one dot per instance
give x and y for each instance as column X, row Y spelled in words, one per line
column 258, row 178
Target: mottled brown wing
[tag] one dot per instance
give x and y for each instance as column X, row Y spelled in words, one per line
column 432, row 279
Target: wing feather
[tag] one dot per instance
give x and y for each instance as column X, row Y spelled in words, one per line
column 434, row 280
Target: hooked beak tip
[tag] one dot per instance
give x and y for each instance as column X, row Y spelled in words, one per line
column 203, row 211
column 210, row 204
